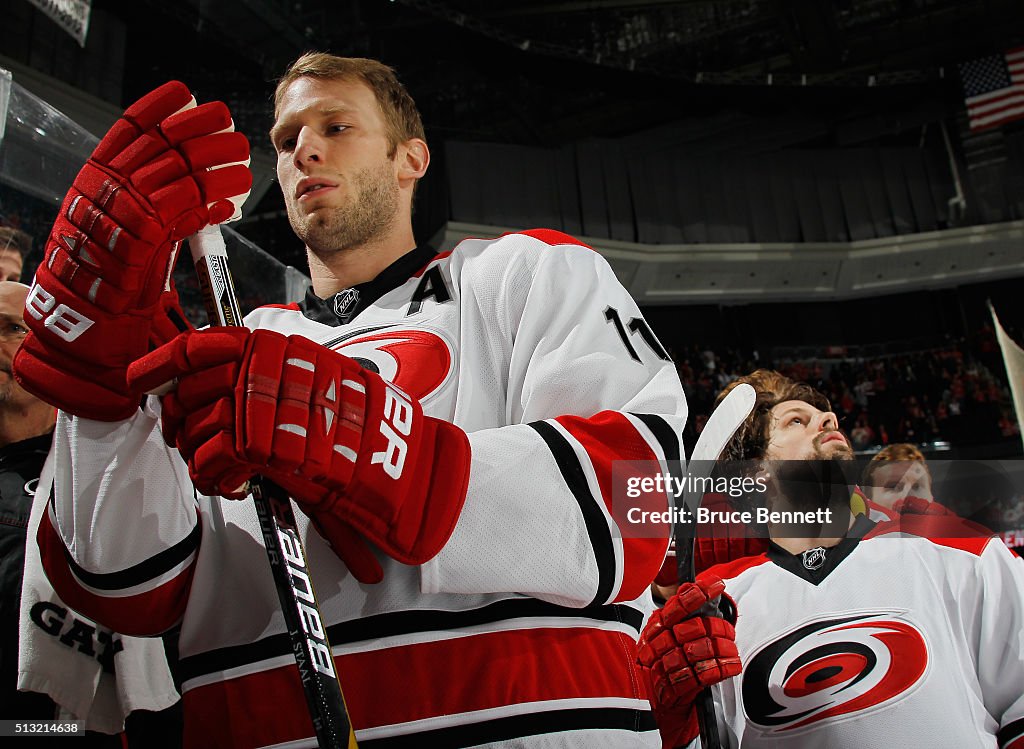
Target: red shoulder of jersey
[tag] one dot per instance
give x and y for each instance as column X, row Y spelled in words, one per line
column 294, row 306
column 729, row 570
column 439, row 256
column 943, row 530
column 551, row 237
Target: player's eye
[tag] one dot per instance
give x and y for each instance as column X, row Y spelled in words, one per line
column 14, row 330
column 284, row 143
column 337, row 128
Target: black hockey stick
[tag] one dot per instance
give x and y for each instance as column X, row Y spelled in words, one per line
column 717, row 432
column 306, row 628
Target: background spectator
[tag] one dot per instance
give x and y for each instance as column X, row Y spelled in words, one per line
column 15, row 245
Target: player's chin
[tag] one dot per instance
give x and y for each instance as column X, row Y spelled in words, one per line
column 835, row 450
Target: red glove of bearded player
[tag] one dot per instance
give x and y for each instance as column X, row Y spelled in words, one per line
column 721, row 542
column 356, row 453
column 685, row 647
column 102, row 295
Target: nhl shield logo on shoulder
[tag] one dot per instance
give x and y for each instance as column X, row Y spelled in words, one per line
column 813, row 558
column 345, row 303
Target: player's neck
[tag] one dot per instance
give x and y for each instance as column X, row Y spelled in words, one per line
column 17, row 424
column 342, row 269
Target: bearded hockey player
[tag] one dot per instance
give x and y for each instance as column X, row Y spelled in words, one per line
column 903, row 633
column 446, row 426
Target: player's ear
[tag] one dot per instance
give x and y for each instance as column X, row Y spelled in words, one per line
column 413, row 159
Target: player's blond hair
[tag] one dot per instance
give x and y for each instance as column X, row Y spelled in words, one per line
column 899, row 452
column 401, row 118
column 751, row 440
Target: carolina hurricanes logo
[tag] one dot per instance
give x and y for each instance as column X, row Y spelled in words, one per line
column 831, row 668
column 418, row 362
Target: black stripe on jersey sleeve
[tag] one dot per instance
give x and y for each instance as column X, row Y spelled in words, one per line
column 597, row 527
column 141, row 573
column 682, row 533
column 405, row 622
column 662, row 432
column 518, row 726
column 1006, row 735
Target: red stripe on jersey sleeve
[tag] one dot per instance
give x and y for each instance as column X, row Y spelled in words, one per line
column 294, row 306
column 144, row 614
column 551, row 237
column 608, row 437
column 413, row 682
column 526, row 665
column 944, row 530
column 261, row 709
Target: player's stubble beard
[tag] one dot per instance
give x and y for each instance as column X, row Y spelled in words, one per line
column 370, row 212
column 12, row 395
column 834, row 450
column 8, row 386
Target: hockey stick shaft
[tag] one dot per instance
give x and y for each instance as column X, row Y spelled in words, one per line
column 719, row 429
column 292, row 579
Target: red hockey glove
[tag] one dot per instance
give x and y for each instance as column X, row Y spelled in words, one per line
column 685, row 647
column 721, row 542
column 103, row 294
column 356, row 453
column 919, row 506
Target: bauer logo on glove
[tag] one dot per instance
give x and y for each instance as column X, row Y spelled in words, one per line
column 59, row 319
column 396, row 424
column 356, row 453
column 102, row 296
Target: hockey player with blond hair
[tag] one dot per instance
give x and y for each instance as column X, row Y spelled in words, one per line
column 446, row 425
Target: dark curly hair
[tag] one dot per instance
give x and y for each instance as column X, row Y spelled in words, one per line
column 751, row 440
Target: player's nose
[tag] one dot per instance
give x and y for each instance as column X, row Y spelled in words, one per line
column 827, row 422
column 308, row 147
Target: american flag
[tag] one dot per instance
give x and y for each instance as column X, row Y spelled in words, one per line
column 994, row 89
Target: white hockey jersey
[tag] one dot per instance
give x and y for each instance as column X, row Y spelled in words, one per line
column 522, row 631
column 896, row 639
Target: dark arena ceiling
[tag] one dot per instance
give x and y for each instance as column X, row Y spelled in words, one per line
column 545, row 73
column 779, row 73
